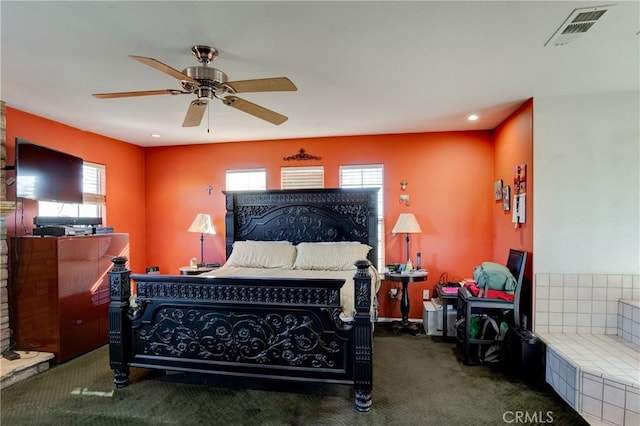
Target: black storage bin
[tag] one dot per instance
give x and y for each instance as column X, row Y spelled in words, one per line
column 525, row 354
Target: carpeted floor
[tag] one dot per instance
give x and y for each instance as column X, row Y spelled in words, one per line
column 417, row 381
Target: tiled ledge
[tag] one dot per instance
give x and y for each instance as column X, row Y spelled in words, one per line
column 29, row 364
column 598, row 375
column 600, row 354
column 629, row 320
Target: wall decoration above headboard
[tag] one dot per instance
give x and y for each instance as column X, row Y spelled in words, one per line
column 301, row 156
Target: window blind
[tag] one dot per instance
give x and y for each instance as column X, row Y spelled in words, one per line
column 368, row 176
column 93, row 183
column 302, row 177
column 246, row 179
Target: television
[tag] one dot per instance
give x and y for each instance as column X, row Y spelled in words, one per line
column 45, row 174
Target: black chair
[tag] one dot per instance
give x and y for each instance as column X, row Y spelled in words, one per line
column 468, row 304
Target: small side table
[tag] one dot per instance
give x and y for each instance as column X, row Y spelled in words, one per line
column 448, row 298
column 405, row 279
column 188, row 270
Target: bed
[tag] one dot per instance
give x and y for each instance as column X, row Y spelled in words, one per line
column 295, row 328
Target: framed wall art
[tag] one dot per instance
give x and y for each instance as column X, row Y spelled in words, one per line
column 497, row 190
column 519, row 193
column 506, row 198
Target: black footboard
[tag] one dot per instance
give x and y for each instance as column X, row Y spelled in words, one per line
column 284, row 329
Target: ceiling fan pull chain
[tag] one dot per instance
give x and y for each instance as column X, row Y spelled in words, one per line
column 208, row 117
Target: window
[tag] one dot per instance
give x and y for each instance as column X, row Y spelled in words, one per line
column 93, row 183
column 302, row 177
column 368, row 176
column 246, row 179
column 94, row 196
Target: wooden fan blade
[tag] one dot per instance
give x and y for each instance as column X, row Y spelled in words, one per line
column 194, row 113
column 154, row 63
column 255, row 110
column 141, row 93
column 277, row 84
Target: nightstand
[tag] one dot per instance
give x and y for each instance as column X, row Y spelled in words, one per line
column 188, row 270
column 405, row 278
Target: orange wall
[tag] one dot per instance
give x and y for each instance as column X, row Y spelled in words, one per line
column 154, row 193
column 514, row 146
column 125, row 175
column 449, row 179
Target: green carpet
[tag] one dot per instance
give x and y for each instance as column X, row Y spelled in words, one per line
column 417, row 381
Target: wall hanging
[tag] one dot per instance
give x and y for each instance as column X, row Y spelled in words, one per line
column 506, row 198
column 497, row 190
column 301, row 156
column 519, row 194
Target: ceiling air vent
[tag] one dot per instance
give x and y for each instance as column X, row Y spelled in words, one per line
column 578, row 23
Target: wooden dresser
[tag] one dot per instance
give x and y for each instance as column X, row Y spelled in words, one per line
column 59, row 292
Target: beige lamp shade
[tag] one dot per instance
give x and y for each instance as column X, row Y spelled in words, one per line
column 406, row 224
column 202, row 224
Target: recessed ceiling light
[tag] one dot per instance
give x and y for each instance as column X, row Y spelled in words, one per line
column 155, row 135
column 472, row 117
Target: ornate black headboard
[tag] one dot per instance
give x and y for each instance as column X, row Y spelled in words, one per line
column 303, row 215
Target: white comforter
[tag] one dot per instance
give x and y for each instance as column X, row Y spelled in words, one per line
column 346, row 292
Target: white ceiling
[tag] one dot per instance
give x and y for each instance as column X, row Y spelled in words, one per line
column 361, row 67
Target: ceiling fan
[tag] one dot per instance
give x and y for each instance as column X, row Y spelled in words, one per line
column 208, row 83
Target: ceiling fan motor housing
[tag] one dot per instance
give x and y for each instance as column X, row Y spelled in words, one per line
column 205, row 73
column 209, row 81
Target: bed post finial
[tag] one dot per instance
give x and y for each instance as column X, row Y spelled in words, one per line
column 119, row 322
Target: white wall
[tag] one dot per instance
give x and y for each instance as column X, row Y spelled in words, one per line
column 586, row 155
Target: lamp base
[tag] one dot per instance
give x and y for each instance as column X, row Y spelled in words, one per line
column 407, row 241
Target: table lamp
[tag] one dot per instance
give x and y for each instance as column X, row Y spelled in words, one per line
column 407, row 224
column 202, row 224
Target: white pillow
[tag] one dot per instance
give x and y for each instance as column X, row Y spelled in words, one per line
column 262, row 254
column 338, row 256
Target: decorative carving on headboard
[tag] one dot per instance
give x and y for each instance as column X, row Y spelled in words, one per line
column 298, row 224
column 244, row 214
column 302, row 223
column 357, row 213
column 308, row 215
